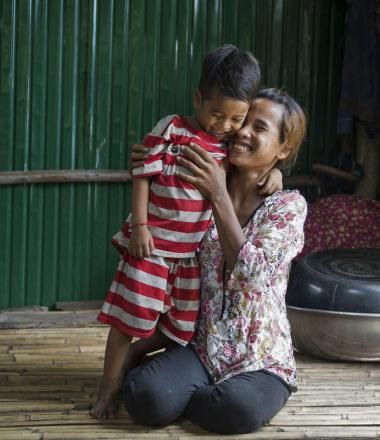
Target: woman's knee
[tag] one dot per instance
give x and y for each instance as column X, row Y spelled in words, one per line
column 222, row 413
column 144, row 401
column 158, row 391
column 237, row 406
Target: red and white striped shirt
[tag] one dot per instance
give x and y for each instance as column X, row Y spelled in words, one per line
column 178, row 214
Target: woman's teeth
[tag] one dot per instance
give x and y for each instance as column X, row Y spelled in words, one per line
column 241, row 148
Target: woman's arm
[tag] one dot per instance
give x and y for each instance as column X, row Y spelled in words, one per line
column 210, row 179
column 276, row 239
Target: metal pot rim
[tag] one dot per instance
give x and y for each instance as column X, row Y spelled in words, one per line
column 335, row 313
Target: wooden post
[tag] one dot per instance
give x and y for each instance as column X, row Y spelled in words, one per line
column 64, row 176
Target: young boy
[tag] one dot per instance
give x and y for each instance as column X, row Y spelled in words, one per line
column 157, row 284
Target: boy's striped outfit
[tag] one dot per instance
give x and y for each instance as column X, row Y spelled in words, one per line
column 163, row 290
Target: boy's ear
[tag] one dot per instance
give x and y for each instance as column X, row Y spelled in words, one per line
column 197, row 99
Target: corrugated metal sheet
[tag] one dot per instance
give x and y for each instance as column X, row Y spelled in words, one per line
column 82, row 80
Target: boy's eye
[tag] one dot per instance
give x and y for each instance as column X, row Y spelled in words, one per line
column 237, row 121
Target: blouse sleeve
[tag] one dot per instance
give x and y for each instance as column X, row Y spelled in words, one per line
column 278, row 238
column 156, row 141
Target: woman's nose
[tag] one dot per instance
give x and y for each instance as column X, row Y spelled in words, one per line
column 245, row 131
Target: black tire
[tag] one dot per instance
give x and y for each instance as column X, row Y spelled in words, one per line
column 344, row 280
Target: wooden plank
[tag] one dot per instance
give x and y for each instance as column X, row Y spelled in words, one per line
column 298, row 180
column 20, row 434
column 319, row 168
column 48, row 319
column 63, row 176
column 310, row 433
column 374, row 409
column 36, row 380
column 79, row 305
column 25, row 309
column 48, row 383
column 39, row 388
column 45, row 349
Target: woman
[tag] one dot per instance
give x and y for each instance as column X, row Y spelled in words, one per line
column 239, row 369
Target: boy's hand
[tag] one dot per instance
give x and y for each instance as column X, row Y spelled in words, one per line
column 140, row 242
column 270, row 183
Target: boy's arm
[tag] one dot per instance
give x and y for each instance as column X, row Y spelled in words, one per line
column 140, row 242
column 140, row 199
column 271, row 182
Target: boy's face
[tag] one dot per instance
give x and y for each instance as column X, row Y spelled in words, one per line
column 219, row 115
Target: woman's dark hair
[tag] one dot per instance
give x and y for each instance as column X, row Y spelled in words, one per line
column 231, row 72
column 293, row 123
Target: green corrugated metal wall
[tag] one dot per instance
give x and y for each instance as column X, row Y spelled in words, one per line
column 81, row 80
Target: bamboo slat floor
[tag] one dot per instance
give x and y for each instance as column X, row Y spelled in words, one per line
column 48, row 377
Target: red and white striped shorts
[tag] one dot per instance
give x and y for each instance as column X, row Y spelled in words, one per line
column 151, row 292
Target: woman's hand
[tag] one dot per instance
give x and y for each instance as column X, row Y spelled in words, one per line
column 137, row 156
column 207, row 175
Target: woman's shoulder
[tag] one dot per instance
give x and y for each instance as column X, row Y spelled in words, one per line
column 285, row 197
column 286, row 200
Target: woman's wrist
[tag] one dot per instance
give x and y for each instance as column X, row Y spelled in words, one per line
column 220, row 198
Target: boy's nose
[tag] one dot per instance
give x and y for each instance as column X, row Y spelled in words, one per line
column 225, row 126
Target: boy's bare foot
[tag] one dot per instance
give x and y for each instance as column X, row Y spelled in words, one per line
column 105, row 409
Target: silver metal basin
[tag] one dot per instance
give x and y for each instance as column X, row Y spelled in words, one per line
column 335, row 335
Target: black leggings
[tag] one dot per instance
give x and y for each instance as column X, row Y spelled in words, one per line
column 174, row 383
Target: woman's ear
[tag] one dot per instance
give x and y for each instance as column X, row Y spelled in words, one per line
column 197, row 99
column 284, row 151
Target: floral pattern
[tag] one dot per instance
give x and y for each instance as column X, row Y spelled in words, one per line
column 342, row 221
column 243, row 324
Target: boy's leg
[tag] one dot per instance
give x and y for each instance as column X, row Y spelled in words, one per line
column 158, row 391
column 121, row 356
column 145, row 346
column 182, row 300
column 130, row 310
column 116, row 362
column 238, row 405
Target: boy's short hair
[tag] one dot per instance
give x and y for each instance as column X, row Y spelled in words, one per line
column 232, row 72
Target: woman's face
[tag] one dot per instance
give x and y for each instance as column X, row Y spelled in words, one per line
column 257, row 144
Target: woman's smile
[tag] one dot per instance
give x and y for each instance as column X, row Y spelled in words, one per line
column 240, row 147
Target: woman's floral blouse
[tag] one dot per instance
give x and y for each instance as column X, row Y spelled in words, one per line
column 243, row 324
